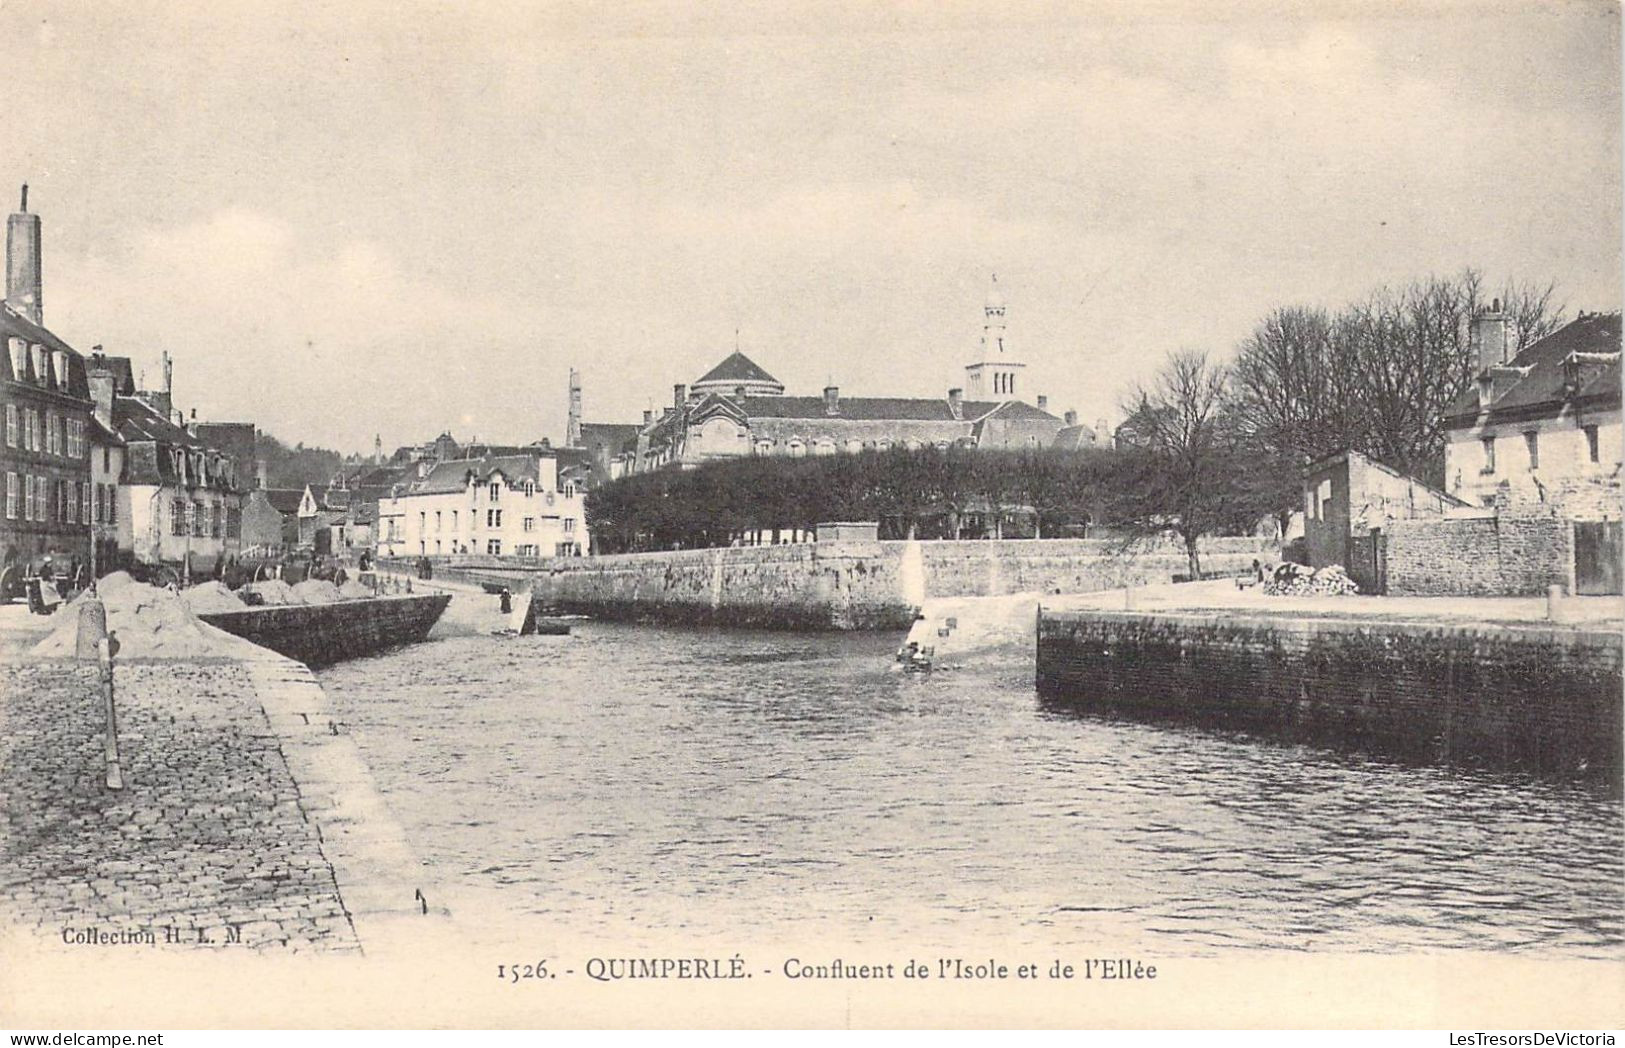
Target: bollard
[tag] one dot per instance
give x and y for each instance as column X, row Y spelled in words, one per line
column 1554, row 602
column 115, row 771
column 92, row 628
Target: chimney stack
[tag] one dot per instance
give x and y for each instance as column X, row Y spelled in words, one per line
column 100, row 378
column 1489, row 337
column 1070, row 418
column 24, row 291
column 1103, row 429
column 832, row 400
column 1043, row 402
column 679, row 393
column 377, row 449
column 956, row 403
column 572, row 427
column 648, row 416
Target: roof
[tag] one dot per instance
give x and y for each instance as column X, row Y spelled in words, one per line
column 1543, row 389
column 452, row 475
column 100, row 435
column 737, row 367
column 15, row 325
column 1070, row 438
column 611, row 436
column 284, row 500
column 912, row 409
column 137, row 420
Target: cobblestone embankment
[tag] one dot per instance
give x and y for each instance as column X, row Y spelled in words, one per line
column 209, row 845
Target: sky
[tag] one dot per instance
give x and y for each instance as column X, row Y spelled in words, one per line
column 351, row 219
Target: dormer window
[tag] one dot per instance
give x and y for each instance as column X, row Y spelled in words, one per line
column 530, row 488
column 19, row 358
column 495, row 490
column 40, row 374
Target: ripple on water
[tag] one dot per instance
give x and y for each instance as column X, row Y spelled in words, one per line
column 736, row 781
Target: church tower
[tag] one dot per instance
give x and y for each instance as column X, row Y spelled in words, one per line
column 996, row 375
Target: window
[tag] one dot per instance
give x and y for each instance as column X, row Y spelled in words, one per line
column 11, row 425
column 112, row 504
column 493, row 518
column 529, row 524
column 1531, row 441
column 217, row 521
column 234, row 522
column 530, row 488
column 1591, row 443
column 493, row 547
column 50, row 433
column 12, row 497
column 437, row 520
column 423, row 522
column 84, row 503
column 107, row 460
column 495, row 490
column 70, row 497
column 28, row 496
column 454, row 520
column 1489, row 455
column 569, row 525
column 177, row 516
column 569, row 489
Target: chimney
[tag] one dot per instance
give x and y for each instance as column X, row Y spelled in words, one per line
column 1102, row 429
column 572, row 427
column 679, row 393
column 101, row 380
column 1071, row 418
column 23, row 287
column 648, row 416
column 377, row 449
column 1488, row 336
column 832, row 400
column 956, row 403
column 1043, row 402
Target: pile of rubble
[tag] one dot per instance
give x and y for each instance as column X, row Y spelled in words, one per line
column 1300, row 580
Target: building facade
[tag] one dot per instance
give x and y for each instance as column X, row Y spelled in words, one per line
column 506, row 505
column 46, row 453
column 1542, row 426
column 738, row 409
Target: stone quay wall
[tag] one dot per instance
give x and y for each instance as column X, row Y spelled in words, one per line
column 843, row 585
column 208, row 846
column 1542, row 700
column 319, row 634
column 1503, row 555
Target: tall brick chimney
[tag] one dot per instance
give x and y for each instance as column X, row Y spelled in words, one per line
column 1489, row 336
column 1043, row 402
column 24, row 290
column 102, row 386
column 832, row 400
column 572, row 425
column 1070, row 418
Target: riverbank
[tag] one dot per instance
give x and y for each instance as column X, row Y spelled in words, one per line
column 1493, row 682
column 838, row 585
column 248, row 819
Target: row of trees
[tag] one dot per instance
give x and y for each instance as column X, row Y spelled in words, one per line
column 1214, row 444
column 1227, row 437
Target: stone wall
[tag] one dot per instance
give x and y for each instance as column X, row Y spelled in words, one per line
column 319, row 634
column 842, row 585
column 1542, row 700
column 1502, row 555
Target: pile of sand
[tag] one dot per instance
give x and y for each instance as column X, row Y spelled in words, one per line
column 150, row 622
column 272, row 591
column 316, row 591
column 211, row 596
column 353, row 590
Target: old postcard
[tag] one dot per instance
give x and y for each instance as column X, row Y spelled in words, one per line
column 865, row 514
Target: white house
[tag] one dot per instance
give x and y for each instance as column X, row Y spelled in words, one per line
column 1544, row 425
column 507, row 505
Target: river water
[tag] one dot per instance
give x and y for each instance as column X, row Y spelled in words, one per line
column 631, row 781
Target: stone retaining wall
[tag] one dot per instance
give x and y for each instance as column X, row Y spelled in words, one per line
column 1505, row 555
column 842, row 585
column 319, row 634
column 1543, row 700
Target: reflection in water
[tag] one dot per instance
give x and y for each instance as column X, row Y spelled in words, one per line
column 705, row 781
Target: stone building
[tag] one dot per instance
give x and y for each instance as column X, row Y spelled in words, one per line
column 1542, row 426
column 1349, row 501
column 505, row 505
column 738, row 409
column 49, row 499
